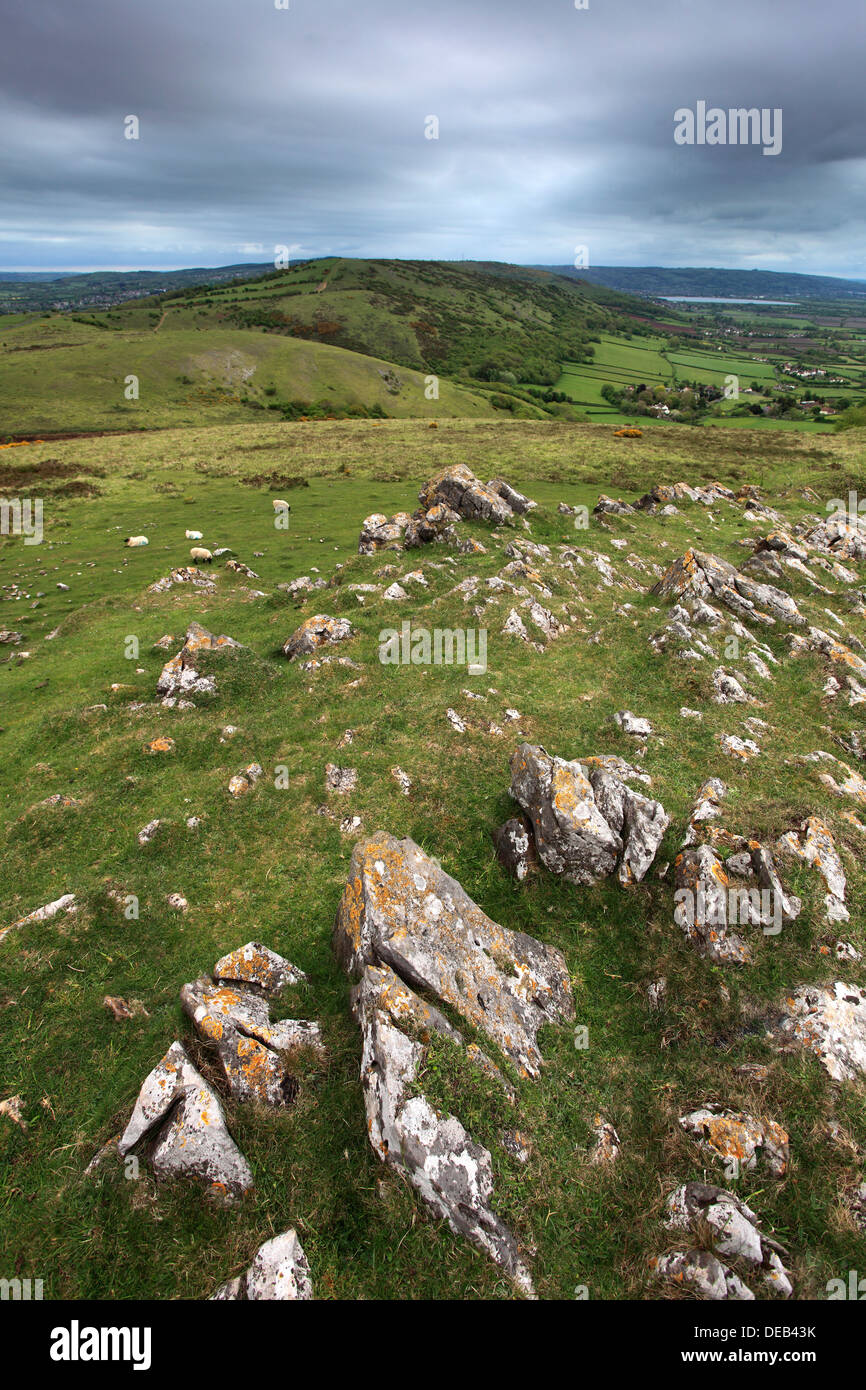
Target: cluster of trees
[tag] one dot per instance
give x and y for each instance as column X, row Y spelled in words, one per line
column 315, row 410
column 549, row 396
column 510, row 368
column 687, row 401
column 853, row 417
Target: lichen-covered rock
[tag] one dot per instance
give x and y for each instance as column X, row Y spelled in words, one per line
column 236, row 1021
column 707, row 807
column 605, row 1150
column 514, row 626
column 611, row 762
column 663, row 493
column 831, row 1022
column 516, row 500
column 458, row 488
column 401, row 909
column 515, row 847
column 700, row 575
column 840, row 534
column 66, row 903
column 181, row 676
column 702, row 906
column 315, row 632
column 633, row 724
column 379, row 532
column 452, row 1174
column 403, row 780
column 710, row 901
column 162, row 744
column 341, row 780
column 65, row 802
column 547, row 623
column 244, row 782
column 737, row 1139
column 853, row 783
column 835, row 650
column 814, row 845
column 610, row 506
column 431, row 523
column 727, row 690
column 699, row 1207
column 186, row 574
column 180, row 1120
column 743, row 748
column 279, row 1273
column 784, row 905
column 587, row 822
column 784, row 543
column 257, row 965
column 702, row 1274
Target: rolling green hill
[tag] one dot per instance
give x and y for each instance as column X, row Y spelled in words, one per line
column 400, row 339
column 323, row 337
column 60, row 376
column 457, row 318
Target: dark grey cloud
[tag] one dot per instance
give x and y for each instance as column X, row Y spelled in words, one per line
column 305, row 127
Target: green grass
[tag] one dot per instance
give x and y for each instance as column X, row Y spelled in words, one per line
column 268, row 867
column 73, row 377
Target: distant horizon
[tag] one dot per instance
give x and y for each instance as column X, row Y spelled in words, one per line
column 59, row 271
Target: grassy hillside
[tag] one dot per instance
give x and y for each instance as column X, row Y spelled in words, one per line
column 63, row 375
column 329, row 336
column 336, row 337
column 77, row 714
column 452, row 317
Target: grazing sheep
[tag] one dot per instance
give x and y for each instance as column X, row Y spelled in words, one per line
column 193, row 535
column 199, row 555
column 136, row 540
column 281, row 506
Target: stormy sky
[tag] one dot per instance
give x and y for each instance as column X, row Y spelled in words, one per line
column 305, row 127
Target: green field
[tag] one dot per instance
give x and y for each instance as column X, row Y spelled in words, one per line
column 649, row 362
column 622, row 363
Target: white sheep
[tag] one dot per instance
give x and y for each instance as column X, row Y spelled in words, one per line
column 193, row 535
column 281, row 506
column 199, row 555
column 136, row 540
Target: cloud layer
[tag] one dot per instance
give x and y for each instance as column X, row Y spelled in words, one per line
column 306, row 126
